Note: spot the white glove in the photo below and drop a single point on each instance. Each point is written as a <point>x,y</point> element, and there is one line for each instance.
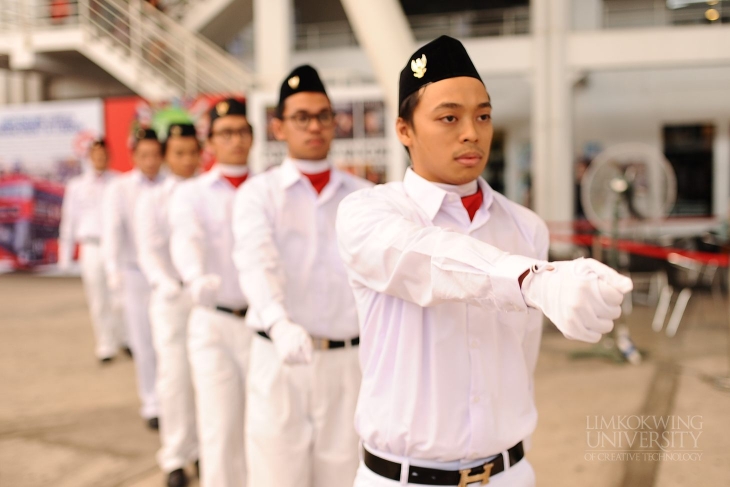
<point>168,288</point>
<point>114,282</point>
<point>114,288</point>
<point>581,297</point>
<point>292,342</point>
<point>204,290</point>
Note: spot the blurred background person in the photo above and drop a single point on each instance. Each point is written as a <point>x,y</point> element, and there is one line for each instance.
<point>202,245</point>
<point>122,264</point>
<point>170,306</point>
<point>81,222</point>
<point>304,374</point>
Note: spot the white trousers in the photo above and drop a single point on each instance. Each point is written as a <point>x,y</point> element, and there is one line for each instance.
<point>169,320</point>
<point>219,347</point>
<point>136,312</point>
<point>300,418</point>
<point>519,475</point>
<point>107,320</point>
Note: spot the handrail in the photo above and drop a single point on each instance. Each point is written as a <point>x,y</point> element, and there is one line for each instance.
<point>471,23</point>
<point>160,48</point>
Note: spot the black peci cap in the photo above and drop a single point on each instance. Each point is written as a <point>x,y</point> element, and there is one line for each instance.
<point>302,79</point>
<point>144,134</point>
<point>229,106</point>
<point>181,130</point>
<point>440,59</point>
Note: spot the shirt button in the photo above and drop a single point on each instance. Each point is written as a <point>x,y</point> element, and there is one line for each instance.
<point>474,343</point>
<point>475,399</point>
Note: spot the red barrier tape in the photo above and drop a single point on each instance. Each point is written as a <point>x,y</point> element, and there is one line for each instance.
<point>646,250</point>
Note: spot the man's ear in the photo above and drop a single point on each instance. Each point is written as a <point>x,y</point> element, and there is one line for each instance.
<point>277,128</point>
<point>404,132</point>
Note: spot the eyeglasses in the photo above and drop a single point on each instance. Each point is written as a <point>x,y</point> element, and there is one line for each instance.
<point>228,134</point>
<point>302,120</point>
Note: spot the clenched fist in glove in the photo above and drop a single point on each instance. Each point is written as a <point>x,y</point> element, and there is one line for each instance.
<point>581,297</point>
<point>204,290</point>
<point>292,342</point>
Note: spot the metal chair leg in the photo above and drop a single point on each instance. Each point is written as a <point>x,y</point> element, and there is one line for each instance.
<point>661,308</point>
<point>678,312</point>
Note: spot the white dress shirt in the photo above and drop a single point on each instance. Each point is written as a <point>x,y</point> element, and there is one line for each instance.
<point>81,211</point>
<point>119,242</point>
<point>442,319</point>
<point>286,251</point>
<point>201,240</point>
<point>153,232</point>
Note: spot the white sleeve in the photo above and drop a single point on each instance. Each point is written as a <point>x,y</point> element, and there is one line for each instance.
<point>152,244</point>
<point>67,229</point>
<point>187,237</point>
<point>427,265</point>
<point>255,254</point>
<point>112,228</point>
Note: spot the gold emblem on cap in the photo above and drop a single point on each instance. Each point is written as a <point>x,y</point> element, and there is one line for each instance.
<point>176,130</point>
<point>293,82</point>
<point>141,133</point>
<point>222,108</point>
<point>418,66</point>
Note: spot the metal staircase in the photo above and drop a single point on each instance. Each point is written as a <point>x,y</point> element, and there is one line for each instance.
<point>140,46</point>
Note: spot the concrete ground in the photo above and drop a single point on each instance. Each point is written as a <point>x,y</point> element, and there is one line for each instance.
<point>67,421</point>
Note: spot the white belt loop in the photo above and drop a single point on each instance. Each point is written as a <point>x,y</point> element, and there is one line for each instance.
<point>405,468</point>
<point>505,460</point>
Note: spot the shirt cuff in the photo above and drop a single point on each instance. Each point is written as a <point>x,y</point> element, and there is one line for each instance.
<point>505,281</point>
<point>271,314</point>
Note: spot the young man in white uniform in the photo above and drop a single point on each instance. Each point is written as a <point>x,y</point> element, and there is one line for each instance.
<point>122,267</point>
<point>170,307</point>
<point>81,222</point>
<point>202,245</point>
<point>303,373</point>
<point>450,278</point>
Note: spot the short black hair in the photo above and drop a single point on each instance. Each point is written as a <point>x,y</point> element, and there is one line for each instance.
<point>408,107</point>
<point>98,143</point>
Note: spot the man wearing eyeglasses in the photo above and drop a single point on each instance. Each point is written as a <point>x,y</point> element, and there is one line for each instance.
<point>201,245</point>
<point>304,374</point>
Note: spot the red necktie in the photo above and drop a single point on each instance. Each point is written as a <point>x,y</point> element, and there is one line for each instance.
<point>319,180</point>
<point>236,181</point>
<point>473,202</point>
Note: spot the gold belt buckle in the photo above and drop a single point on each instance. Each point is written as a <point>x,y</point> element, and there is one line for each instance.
<point>321,343</point>
<point>481,477</point>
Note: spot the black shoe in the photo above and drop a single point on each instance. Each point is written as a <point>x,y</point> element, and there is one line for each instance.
<point>197,468</point>
<point>153,424</point>
<point>106,360</point>
<point>128,351</point>
<point>177,478</point>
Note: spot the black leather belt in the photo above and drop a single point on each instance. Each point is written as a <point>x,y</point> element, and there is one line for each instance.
<point>323,343</point>
<point>430,476</point>
<point>240,313</point>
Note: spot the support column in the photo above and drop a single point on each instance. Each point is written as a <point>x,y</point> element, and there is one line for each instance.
<point>33,87</point>
<point>552,115</point>
<point>16,88</point>
<point>4,99</point>
<point>273,35</point>
<point>383,32</point>
<point>721,169</point>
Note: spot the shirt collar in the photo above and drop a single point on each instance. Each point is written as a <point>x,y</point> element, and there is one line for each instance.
<point>430,197</point>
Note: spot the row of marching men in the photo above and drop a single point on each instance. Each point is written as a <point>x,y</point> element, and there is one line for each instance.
<point>185,253</point>
<point>243,296</point>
